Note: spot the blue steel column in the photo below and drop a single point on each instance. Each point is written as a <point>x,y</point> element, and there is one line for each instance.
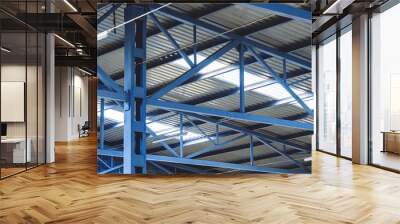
<point>216,134</point>
<point>251,151</point>
<point>134,154</point>
<point>194,44</point>
<point>101,139</point>
<point>181,135</point>
<point>241,71</point>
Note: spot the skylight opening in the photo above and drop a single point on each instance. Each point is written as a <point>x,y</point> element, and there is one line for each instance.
<point>274,90</point>
<point>215,65</point>
<point>158,127</point>
<point>114,115</point>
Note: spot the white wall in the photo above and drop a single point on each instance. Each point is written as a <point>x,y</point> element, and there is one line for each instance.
<point>14,73</point>
<point>33,126</point>
<point>71,102</point>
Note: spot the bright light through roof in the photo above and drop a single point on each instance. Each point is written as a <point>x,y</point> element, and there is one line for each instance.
<point>215,65</point>
<point>309,103</point>
<point>169,130</point>
<point>232,77</point>
<point>114,115</point>
<point>159,128</point>
<point>276,91</point>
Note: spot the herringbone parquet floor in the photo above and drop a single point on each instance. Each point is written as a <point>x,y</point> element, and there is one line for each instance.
<point>70,191</point>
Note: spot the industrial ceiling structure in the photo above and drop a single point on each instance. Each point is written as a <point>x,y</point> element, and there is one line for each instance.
<point>204,88</point>
<point>72,22</point>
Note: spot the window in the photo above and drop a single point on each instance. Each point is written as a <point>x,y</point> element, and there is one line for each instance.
<point>385,89</point>
<point>346,93</point>
<point>327,96</point>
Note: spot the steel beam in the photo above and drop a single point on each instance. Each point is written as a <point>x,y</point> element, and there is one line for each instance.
<point>111,169</point>
<point>171,39</point>
<point>187,168</point>
<point>287,11</point>
<point>283,154</point>
<point>232,36</point>
<point>110,95</point>
<point>217,95</point>
<point>223,165</point>
<point>248,131</point>
<point>232,149</point>
<point>268,23</point>
<point>201,12</point>
<point>165,170</point>
<point>230,115</point>
<point>108,81</point>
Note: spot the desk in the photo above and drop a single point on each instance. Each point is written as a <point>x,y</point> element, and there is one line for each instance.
<point>391,141</point>
<point>18,150</point>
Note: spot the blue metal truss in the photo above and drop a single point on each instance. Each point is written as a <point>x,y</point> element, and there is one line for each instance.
<point>134,157</point>
<point>194,70</point>
<point>230,115</point>
<point>232,36</point>
<point>285,10</point>
<point>281,81</point>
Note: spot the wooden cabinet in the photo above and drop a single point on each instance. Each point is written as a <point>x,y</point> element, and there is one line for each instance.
<point>391,142</point>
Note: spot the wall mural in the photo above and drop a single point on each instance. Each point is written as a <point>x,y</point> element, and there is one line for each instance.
<point>189,88</point>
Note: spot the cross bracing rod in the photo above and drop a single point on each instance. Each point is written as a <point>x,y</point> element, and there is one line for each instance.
<point>247,131</point>
<point>181,79</point>
<point>171,40</point>
<point>281,81</point>
<point>214,147</point>
<point>259,136</point>
<point>218,95</point>
<point>108,81</point>
<point>279,139</point>
<point>232,36</point>
<point>236,147</point>
<point>153,63</point>
<point>165,145</point>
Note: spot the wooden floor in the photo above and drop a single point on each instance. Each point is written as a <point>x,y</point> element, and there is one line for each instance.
<point>70,191</point>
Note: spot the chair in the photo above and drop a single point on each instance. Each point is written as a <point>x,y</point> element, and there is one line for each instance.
<point>84,130</point>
